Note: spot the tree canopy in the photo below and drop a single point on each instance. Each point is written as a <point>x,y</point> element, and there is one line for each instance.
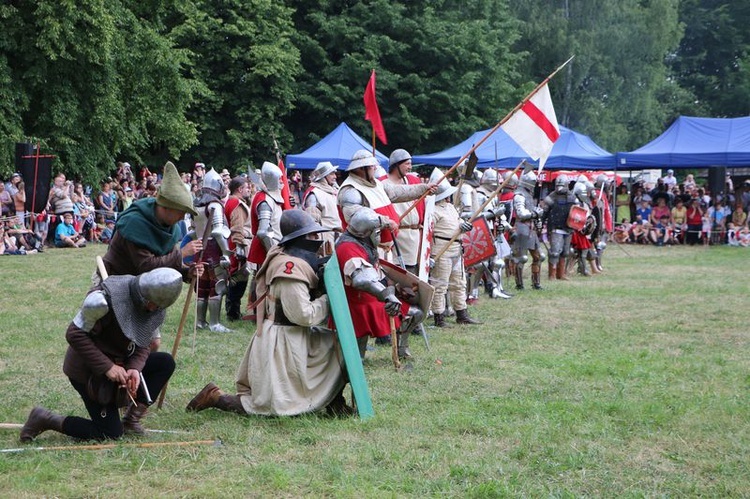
<point>215,81</point>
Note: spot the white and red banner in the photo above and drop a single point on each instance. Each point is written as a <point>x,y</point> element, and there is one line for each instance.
<point>534,126</point>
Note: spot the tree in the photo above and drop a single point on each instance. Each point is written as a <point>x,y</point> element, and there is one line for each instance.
<point>242,57</point>
<point>444,69</point>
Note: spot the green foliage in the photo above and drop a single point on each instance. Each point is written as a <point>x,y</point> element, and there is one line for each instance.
<point>444,69</point>
<point>242,55</point>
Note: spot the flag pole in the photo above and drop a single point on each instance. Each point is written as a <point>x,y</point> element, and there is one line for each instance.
<point>488,134</point>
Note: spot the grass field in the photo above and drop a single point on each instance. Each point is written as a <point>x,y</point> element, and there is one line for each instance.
<point>629,384</point>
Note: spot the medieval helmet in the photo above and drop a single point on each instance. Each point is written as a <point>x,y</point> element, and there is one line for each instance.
<point>601,181</point>
<point>362,159</point>
<point>297,223</point>
<point>161,286</point>
<point>511,180</point>
<point>561,184</point>
<point>444,190</point>
<point>489,178</point>
<point>397,157</point>
<point>322,170</point>
<point>271,176</point>
<point>528,180</point>
<point>580,189</point>
<point>213,184</point>
<point>366,223</point>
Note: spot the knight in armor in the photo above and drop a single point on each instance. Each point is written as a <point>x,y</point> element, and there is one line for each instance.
<point>557,207</point>
<point>580,241</point>
<point>362,189</point>
<point>491,271</point>
<point>108,360</point>
<point>265,215</point>
<point>603,214</point>
<point>210,225</point>
<point>319,201</point>
<point>410,227</point>
<point>371,299</point>
<point>237,213</point>
<point>147,234</point>
<point>448,272</point>
<point>507,193</point>
<point>528,224</point>
<point>291,366</point>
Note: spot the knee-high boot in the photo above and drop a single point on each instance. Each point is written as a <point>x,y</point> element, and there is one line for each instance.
<point>131,420</point>
<point>201,310</point>
<point>519,276</point>
<point>561,270</point>
<point>552,269</point>
<point>40,420</point>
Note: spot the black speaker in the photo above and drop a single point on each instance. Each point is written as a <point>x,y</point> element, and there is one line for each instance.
<point>717,180</point>
<point>37,176</point>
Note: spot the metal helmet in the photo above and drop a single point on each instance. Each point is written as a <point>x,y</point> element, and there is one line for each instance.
<point>397,157</point>
<point>297,223</point>
<point>444,190</point>
<point>580,189</point>
<point>366,223</point>
<point>161,286</point>
<point>511,180</point>
<point>562,184</point>
<point>362,159</point>
<point>489,178</point>
<point>322,170</point>
<point>271,176</point>
<point>601,181</point>
<point>213,183</point>
<point>528,180</point>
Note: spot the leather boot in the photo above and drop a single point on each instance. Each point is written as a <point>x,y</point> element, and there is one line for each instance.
<point>582,267</point>
<point>440,321</point>
<point>131,420</point>
<point>214,316</point>
<point>201,309</point>
<point>551,268</point>
<point>230,403</point>
<point>519,276</point>
<point>403,346</point>
<point>207,397</point>
<point>561,270</point>
<point>536,280</point>
<point>39,420</point>
<point>462,317</point>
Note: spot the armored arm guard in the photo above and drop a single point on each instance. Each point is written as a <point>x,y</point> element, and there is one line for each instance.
<point>350,200</point>
<point>366,279</point>
<point>219,231</point>
<point>265,232</point>
<point>523,214</point>
<point>94,307</point>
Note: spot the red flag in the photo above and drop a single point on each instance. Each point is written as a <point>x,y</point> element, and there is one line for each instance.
<point>372,113</point>
<point>284,184</point>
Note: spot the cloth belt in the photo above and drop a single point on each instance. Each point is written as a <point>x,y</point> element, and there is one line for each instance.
<point>412,227</point>
<point>446,238</point>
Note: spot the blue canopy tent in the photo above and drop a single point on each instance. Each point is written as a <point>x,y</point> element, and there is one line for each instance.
<point>572,151</point>
<point>694,143</point>
<point>338,147</point>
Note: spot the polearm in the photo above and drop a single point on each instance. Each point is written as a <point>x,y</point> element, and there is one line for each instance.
<point>185,310</point>
<point>143,445</point>
<point>479,210</point>
<point>488,134</point>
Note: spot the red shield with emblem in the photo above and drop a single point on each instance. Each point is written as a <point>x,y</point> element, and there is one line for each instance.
<point>478,243</point>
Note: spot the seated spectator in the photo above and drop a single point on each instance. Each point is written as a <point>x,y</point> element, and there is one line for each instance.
<point>25,238</point>
<point>644,210</point>
<point>639,231</point>
<point>733,235</point>
<point>659,233</point>
<point>744,236</point>
<point>108,231</point>
<point>739,215</point>
<point>10,244</point>
<point>66,235</point>
<point>718,214</point>
<point>622,232</point>
<point>660,211</point>
<point>679,220</point>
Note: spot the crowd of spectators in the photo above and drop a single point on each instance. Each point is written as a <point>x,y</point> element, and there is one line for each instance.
<point>671,213</point>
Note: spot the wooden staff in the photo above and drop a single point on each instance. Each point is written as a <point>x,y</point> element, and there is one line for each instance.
<point>101,268</point>
<point>476,214</point>
<point>185,310</point>
<point>143,445</point>
<point>18,426</point>
<point>394,344</point>
<point>488,134</point>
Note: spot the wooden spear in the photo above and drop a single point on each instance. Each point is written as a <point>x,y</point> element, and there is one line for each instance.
<point>476,214</point>
<point>143,445</point>
<point>488,134</point>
